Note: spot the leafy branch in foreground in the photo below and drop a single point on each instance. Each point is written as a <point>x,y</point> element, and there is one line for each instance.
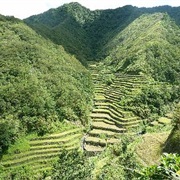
<point>168,169</point>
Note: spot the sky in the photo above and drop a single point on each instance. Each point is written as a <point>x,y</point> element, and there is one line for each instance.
<point>25,8</point>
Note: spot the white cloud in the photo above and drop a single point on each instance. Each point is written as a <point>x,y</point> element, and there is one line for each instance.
<point>25,8</point>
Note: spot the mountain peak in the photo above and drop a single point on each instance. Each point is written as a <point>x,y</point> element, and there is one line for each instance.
<point>74,5</point>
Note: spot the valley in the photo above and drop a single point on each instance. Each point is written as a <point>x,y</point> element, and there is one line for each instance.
<point>90,95</point>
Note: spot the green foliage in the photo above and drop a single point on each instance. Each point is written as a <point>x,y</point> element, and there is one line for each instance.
<point>116,162</point>
<point>177,116</point>
<point>148,45</point>
<point>20,145</point>
<point>93,32</point>
<point>172,144</point>
<point>40,83</point>
<point>168,169</point>
<point>9,131</point>
<point>64,26</point>
<point>132,42</point>
<point>152,99</point>
<point>120,161</point>
<point>71,165</point>
<point>21,173</point>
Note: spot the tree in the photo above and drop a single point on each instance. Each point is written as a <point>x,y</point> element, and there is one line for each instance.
<point>9,131</point>
<point>168,169</point>
<point>71,165</point>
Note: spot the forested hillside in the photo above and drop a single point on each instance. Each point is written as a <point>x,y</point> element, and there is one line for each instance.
<point>86,33</point>
<point>131,40</point>
<point>64,26</point>
<point>149,45</point>
<point>41,84</point>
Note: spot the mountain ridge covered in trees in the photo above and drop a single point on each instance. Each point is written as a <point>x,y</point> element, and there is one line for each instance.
<point>84,33</point>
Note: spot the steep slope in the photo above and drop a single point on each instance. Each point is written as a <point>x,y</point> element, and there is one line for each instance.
<point>149,45</point>
<point>64,26</point>
<point>38,159</point>
<point>80,31</point>
<point>172,144</point>
<point>137,82</point>
<point>109,120</point>
<point>85,33</point>
<point>40,83</point>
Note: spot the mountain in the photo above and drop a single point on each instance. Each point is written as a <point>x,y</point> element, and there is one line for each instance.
<point>85,33</point>
<point>127,40</point>
<point>64,26</point>
<point>149,45</point>
<point>41,84</point>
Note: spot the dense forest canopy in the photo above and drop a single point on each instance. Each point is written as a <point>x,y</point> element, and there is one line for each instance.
<point>92,30</point>
<point>40,83</point>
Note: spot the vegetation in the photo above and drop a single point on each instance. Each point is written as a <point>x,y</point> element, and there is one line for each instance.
<point>115,163</point>
<point>93,31</point>
<point>172,144</point>
<point>57,25</point>
<point>72,165</point>
<point>134,41</point>
<point>34,156</point>
<point>46,94</point>
<point>41,84</point>
<point>168,169</point>
<point>151,49</point>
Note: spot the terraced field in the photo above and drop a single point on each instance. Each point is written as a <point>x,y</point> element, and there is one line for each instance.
<point>109,119</point>
<point>44,151</point>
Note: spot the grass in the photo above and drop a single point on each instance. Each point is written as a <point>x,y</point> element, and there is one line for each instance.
<point>150,147</point>
<point>104,120</point>
<point>50,146</point>
<point>111,112</point>
<point>37,162</point>
<point>99,132</point>
<point>99,97</point>
<point>98,167</point>
<point>106,126</point>
<point>39,153</point>
<point>101,142</point>
<point>57,135</point>
<point>54,141</point>
<point>32,158</point>
<point>92,148</point>
<point>164,120</point>
<point>100,115</point>
<point>20,146</point>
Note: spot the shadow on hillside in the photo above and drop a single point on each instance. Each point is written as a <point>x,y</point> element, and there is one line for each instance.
<point>172,144</point>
